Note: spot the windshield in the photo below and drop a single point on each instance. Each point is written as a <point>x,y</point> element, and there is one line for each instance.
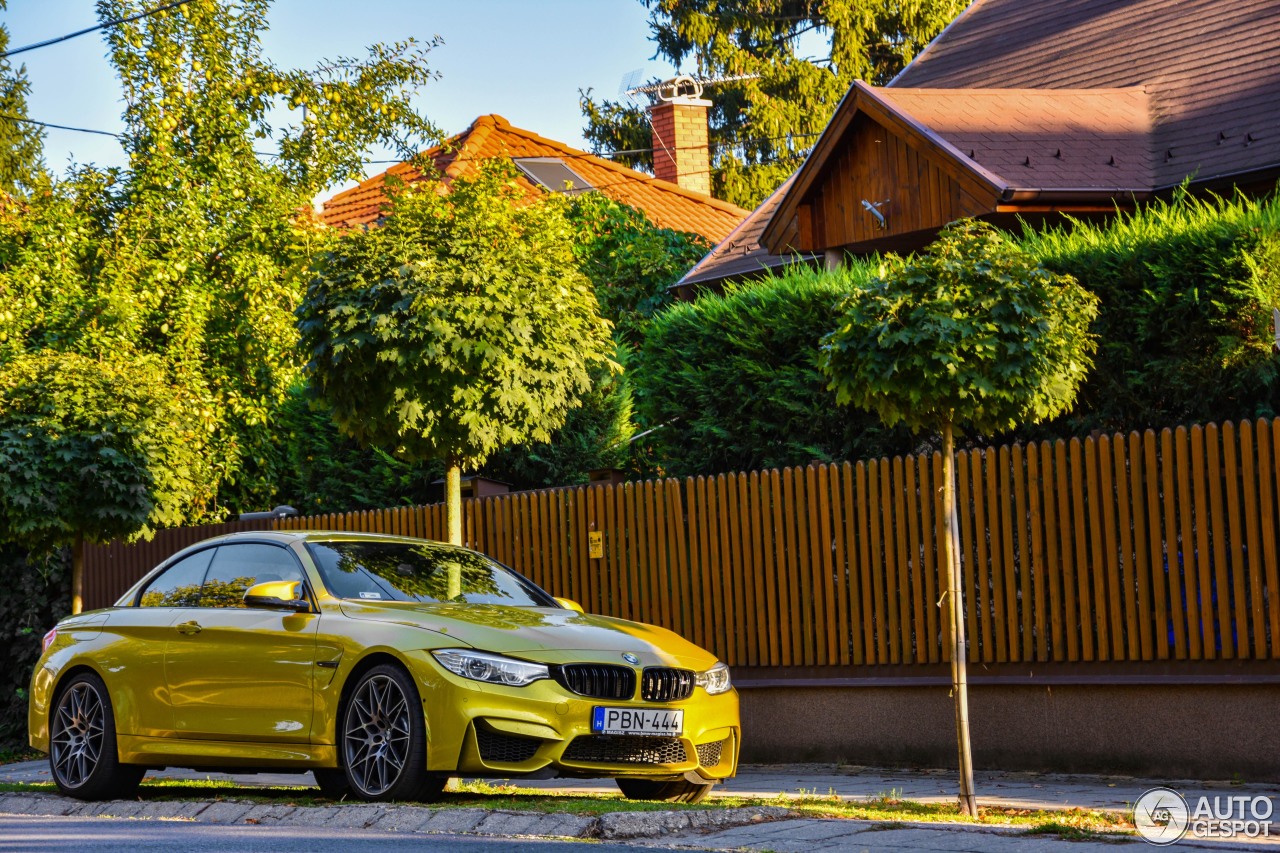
<point>400,571</point>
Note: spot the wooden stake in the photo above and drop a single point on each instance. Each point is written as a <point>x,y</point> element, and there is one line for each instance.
<point>453,521</point>
<point>959,652</point>
<point>77,575</point>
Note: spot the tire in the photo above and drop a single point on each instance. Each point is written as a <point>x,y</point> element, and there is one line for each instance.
<point>382,739</point>
<point>679,791</point>
<point>332,782</point>
<point>82,743</point>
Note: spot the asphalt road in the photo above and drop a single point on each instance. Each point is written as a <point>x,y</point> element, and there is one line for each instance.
<point>87,835</point>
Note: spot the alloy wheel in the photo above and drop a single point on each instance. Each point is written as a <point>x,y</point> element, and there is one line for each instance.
<point>377,735</point>
<point>77,737</point>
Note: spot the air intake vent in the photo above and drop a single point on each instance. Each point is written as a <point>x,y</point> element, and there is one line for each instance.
<point>603,749</point>
<point>599,681</point>
<point>660,684</point>
<point>709,753</point>
<point>504,748</point>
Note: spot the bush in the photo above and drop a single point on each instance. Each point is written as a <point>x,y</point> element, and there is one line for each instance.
<point>328,472</point>
<point>34,594</point>
<point>1185,329</point>
<point>732,381</point>
<point>630,261</point>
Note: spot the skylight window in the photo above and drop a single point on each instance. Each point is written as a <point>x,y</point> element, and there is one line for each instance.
<point>553,174</point>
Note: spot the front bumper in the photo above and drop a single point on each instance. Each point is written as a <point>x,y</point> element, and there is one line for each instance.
<point>481,729</point>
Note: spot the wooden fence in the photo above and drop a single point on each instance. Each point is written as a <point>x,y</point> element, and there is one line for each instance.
<point>1144,547</point>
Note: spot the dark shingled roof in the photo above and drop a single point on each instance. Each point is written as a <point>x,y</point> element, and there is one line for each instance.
<point>1210,67</point>
<point>1063,139</point>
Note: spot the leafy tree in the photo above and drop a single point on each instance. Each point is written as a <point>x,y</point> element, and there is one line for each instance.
<point>196,254</point>
<point>630,261</point>
<point>21,166</point>
<point>761,128</point>
<point>459,327</point>
<point>973,333</point>
<point>761,341</point>
<point>95,451</point>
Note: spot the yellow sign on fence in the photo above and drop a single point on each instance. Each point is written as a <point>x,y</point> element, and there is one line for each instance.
<point>595,544</point>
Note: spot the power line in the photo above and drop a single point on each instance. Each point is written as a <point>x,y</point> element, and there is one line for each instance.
<point>566,155</point>
<point>93,29</point>
<point>8,117</point>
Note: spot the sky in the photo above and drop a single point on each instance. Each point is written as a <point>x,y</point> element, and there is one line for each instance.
<point>523,59</point>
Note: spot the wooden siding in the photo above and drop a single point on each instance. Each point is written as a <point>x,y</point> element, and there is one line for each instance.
<point>920,191</point>
<point>1143,547</point>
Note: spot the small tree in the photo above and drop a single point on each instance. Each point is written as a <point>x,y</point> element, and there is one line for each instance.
<point>94,451</point>
<point>460,326</point>
<point>974,333</point>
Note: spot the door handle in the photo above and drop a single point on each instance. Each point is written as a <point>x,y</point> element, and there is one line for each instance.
<point>191,627</point>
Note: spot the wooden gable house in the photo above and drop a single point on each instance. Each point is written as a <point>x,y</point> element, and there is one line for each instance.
<point>1031,109</point>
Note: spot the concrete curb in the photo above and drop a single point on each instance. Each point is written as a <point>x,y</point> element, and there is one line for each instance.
<point>399,818</point>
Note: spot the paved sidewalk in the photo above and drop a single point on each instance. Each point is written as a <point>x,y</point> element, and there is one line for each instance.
<point>847,836</point>
<point>995,788</point>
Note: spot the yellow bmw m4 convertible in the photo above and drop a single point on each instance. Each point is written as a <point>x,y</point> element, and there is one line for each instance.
<point>343,654</point>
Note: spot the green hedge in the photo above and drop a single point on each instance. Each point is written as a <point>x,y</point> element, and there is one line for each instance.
<point>1185,335</point>
<point>1185,328</point>
<point>731,382</point>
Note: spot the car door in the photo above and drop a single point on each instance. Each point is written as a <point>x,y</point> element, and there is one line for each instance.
<point>242,673</point>
<point>134,664</point>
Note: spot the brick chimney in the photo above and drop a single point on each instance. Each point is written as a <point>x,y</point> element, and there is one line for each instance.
<point>679,120</point>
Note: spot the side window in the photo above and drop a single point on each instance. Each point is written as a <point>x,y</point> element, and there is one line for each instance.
<point>235,568</point>
<point>178,585</point>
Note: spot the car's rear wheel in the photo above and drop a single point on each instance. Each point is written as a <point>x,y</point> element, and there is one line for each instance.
<point>383,739</point>
<point>82,743</point>
<point>679,791</point>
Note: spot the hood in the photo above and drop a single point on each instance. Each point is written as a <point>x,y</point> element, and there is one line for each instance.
<point>544,634</point>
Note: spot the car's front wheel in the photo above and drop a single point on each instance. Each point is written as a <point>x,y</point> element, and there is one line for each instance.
<point>82,743</point>
<point>383,739</point>
<point>679,791</point>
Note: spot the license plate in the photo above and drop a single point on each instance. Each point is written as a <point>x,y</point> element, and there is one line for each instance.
<point>637,721</point>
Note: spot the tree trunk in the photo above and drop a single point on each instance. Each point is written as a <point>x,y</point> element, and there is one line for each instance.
<point>453,520</point>
<point>959,650</point>
<point>77,575</point>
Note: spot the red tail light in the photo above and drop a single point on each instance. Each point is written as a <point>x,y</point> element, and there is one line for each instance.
<point>48,640</point>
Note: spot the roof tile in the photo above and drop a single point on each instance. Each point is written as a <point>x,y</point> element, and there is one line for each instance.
<point>490,136</point>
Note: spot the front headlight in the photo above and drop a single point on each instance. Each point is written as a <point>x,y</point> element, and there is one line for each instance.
<point>490,668</point>
<point>714,680</point>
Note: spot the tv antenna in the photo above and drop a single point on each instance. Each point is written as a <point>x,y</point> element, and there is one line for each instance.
<point>680,86</point>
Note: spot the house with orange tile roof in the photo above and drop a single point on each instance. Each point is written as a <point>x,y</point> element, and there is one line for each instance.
<point>545,166</point>
<point>1028,112</point>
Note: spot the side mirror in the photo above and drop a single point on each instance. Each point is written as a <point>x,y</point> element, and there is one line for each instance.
<point>570,604</point>
<point>277,595</point>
